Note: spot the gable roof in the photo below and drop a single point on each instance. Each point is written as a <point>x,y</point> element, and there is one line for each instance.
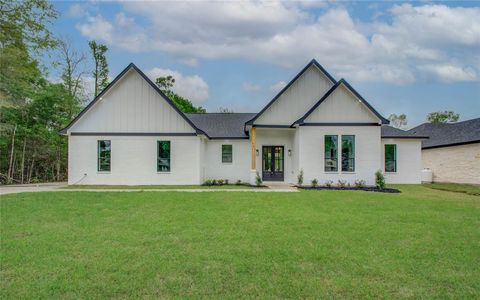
<point>221,125</point>
<point>330,91</point>
<point>449,134</point>
<point>313,62</point>
<point>395,133</point>
<point>111,84</point>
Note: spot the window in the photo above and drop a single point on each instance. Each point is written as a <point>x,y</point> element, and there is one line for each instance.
<point>331,151</point>
<point>227,153</point>
<point>390,158</point>
<point>348,153</point>
<point>163,156</point>
<point>103,156</point>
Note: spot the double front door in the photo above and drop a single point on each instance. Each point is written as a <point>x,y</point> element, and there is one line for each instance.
<point>272,163</point>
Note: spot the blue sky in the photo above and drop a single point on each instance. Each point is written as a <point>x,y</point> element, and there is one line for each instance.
<point>410,58</point>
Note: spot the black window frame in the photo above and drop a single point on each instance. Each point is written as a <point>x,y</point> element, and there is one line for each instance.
<point>159,158</point>
<point>329,158</point>
<point>99,156</point>
<point>225,159</point>
<point>394,158</point>
<point>352,159</point>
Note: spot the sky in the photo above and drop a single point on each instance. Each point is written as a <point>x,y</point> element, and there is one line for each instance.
<point>411,58</point>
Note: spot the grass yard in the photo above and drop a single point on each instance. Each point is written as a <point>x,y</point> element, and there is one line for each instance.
<point>421,243</point>
<point>470,189</point>
<point>161,187</point>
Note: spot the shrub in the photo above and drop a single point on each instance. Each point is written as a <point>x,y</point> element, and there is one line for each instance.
<point>360,183</point>
<point>342,184</point>
<point>208,182</point>
<point>226,181</point>
<point>258,180</point>
<point>220,182</point>
<point>314,182</point>
<point>328,183</point>
<point>300,178</point>
<point>214,182</point>
<point>379,180</point>
<point>239,182</point>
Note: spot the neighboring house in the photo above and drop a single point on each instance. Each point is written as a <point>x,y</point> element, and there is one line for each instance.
<point>131,133</point>
<point>452,151</point>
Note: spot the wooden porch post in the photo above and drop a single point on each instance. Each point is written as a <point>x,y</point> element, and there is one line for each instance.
<point>254,147</point>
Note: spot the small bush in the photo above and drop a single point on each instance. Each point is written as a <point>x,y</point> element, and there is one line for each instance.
<point>379,180</point>
<point>226,181</point>
<point>208,182</point>
<point>360,184</point>
<point>328,183</point>
<point>300,178</point>
<point>314,182</point>
<point>220,182</point>
<point>239,182</point>
<point>258,180</point>
<point>214,182</point>
<point>342,184</point>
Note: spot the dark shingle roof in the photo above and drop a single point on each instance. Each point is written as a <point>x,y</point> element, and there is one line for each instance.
<point>392,132</point>
<point>449,134</point>
<point>221,125</point>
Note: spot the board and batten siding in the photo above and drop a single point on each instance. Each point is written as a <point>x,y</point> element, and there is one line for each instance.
<point>409,161</point>
<point>297,99</point>
<point>131,105</point>
<point>342,106</point>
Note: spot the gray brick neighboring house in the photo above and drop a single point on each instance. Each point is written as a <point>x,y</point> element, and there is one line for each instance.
<point>452,150</point>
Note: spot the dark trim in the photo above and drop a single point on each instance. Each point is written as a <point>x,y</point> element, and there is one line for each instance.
<point>340,124</point>
<point>311,63</point>
<point>229,138</point>
<point>134,133</point>
<point>272,149</point>
<point>330,91</point>
<point>403,137</point>
<point>271,126</point>
<point>119,76</point>
<point>452,145</point>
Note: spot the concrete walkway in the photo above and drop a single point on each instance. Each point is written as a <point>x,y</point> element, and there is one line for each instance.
<point>59,187</point>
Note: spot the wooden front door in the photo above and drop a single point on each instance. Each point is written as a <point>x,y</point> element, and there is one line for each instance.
<point>272,163</point>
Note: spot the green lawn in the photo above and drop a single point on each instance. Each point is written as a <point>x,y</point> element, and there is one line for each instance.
<point>455,187</point>
<point>421,243</point>
<point>160,187</point>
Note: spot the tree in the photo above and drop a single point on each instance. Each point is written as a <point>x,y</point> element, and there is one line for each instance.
<point>442,117</point>
<point>100,73</point>
<point>225,110</point>
<point>398,121</point>
<point>73,71</point>
<point>165,84</point>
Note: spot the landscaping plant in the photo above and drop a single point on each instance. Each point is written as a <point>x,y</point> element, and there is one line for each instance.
<point>379,180</point>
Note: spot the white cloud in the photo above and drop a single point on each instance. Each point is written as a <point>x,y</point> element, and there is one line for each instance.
<point>287,34</point>
<point>192,87</point>
<point>251,87</point>
<point>277,87</point>
<point>77,10</point>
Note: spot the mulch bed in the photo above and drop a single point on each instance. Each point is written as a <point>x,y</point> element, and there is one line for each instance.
<point>367,189</point>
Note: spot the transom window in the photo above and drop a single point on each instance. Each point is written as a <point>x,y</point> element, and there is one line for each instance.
<point>390,158</point>
<point>103,155</point>
<point>331,152</point>
<point>348,153</point>
<point>227,153</point>
<point>163,156</point>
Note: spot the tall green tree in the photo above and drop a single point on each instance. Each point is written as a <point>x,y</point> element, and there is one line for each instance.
<point>166,83</point>
<point>100,72</point>
<point>442,117</point>
<point>398,121</point>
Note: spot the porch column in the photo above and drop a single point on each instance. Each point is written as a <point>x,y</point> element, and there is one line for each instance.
<point>253,138</point>
<point>253,166</point>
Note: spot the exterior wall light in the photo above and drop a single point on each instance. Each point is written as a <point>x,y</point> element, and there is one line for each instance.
<point>289,152</point>
<point>257,152</point>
